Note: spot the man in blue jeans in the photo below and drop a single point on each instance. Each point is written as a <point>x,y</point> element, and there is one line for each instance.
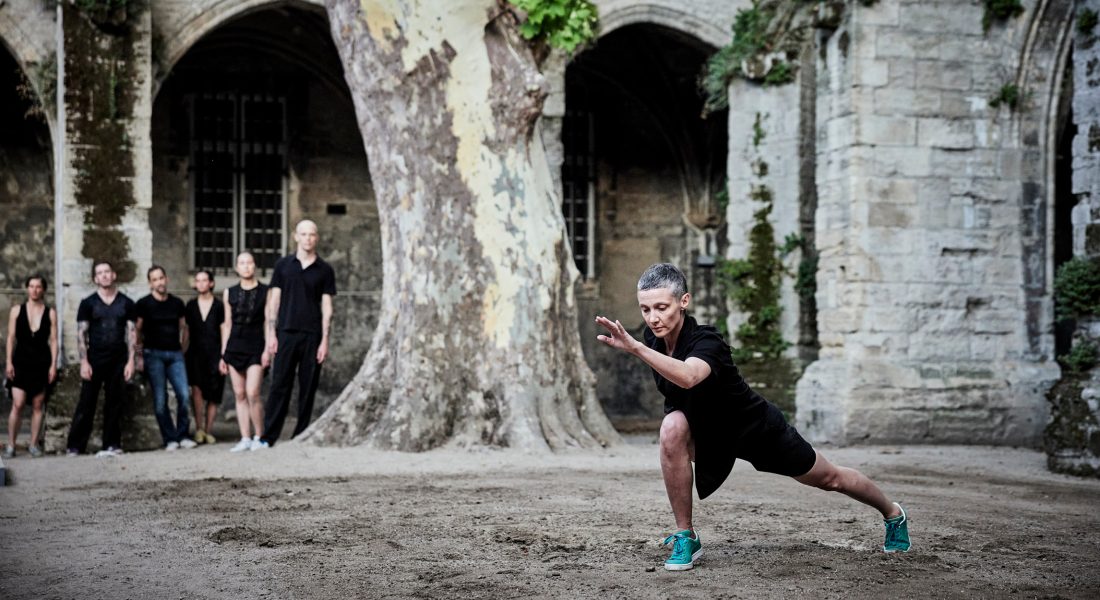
<point>162,337</point>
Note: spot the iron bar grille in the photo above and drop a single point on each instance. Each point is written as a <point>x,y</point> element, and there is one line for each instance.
<point>578,180</point>
<point>238,170</point>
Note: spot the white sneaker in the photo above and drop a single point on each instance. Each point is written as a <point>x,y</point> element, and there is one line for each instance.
<point>109,452</point>
<point>259,445</point>
<point>172,446</point>
<point>187,443</point>
<point>244,444</point>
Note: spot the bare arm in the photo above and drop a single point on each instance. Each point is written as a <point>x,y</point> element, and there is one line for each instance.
<point>53,345</point>
<point>227,322</point>
<point>131,344</point>
<point>82,349</point>
<point>12,316</point>
<point>139,335</point>
<point>82,340</point>
<point>326,320</point>
<point>684,373</point>
<point>274,295</point>
<point>185,334</point>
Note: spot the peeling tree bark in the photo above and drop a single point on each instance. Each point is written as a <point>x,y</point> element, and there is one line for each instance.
<point>477,341</point>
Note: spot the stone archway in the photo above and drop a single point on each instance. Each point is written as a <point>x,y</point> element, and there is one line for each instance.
<point>1042,67</point>
<point>254,129</point>
<point>640,176</point>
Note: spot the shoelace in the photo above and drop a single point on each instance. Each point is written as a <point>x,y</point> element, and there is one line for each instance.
<point>893,529</point>
<point>680,544</point>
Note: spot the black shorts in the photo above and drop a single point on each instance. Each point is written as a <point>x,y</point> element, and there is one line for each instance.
<point>242,360</point>
<point>776,447</point>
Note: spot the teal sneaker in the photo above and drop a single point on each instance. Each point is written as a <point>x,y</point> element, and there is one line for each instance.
<point>685,550</point>
<point>897,533</point>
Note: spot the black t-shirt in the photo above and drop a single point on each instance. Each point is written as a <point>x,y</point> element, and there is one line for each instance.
<point>247,306</point>
<point>721,410</point>
<point>160,322</point>
<point>106,326</point>
<point>300,298</point>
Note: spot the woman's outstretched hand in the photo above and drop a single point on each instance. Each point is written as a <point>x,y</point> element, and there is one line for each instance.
<point>618,338</point>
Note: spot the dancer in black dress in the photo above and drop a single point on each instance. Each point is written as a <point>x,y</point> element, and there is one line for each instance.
<point>204,317</point>
<point>244,354</point>
<point>32,360</point>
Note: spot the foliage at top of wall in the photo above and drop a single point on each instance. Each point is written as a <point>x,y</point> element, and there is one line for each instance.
<point>766,36</point>
<point>1000,10</point>
<point>563,24</point>
<point>112,16</point>
<point>1077,289</point>
<point>1086,21</point>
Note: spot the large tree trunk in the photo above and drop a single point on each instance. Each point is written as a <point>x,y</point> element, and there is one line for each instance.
<point>477,340</point>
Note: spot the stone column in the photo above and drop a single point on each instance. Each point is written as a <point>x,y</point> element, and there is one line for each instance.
<point>104,190</point>
<point>924,326</point>
<point>106,166</point>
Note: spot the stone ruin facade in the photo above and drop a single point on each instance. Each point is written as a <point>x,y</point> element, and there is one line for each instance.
<point>937,217</point>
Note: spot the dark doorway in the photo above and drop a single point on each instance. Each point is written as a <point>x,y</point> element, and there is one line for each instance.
<point>1064,199</point>
<point>639,159</point>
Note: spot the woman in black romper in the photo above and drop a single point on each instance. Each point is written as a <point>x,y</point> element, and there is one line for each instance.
<point>32,360</point>
<point>244,353</point>
<point>204,355</point>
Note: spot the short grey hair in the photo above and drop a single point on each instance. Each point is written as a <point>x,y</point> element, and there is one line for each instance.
<point>664,275</point>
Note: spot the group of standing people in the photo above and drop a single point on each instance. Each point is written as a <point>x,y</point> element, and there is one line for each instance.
<point>192,347</point>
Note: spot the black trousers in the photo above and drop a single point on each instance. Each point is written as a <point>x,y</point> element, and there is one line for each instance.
<point>297,352</point>
<point>108,374</point>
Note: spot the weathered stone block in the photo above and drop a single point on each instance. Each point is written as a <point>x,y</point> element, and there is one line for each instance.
<point>941,75</point>
<point>886,131</point>
<point>956,134</point>
<point>904,101</point>
<point>886,214</point>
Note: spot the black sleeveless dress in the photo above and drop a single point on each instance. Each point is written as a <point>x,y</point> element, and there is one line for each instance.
<point>31,357</point>
<point>204,349</point>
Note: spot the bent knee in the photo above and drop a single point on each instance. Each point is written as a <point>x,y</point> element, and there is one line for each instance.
<point>675,432</point>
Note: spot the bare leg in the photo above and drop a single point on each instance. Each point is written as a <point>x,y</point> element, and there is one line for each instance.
<point>850,482</point>
<point>19,398</point>
<point>241,397</point>
<point>37,415</point>
<point>211,414</point>
<point>677,452</point>
<point>255,379</point>
<point>197,401</point>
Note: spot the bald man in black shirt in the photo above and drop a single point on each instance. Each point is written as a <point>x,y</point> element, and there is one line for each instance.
<point>299,311</point>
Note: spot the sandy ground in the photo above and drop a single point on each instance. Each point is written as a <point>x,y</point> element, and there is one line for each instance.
<point>302,522</point>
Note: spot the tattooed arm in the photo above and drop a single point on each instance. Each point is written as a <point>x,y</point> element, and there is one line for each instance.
<point>82,349</point>
<point>131,347</point>
<point>274,295</point>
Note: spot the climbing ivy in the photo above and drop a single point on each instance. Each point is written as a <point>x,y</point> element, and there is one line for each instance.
<point>999,10</point>
<point>1086,21</point>
<point>1081,357</point>
<point>1009,95</point>
<point>768,28</point>
<point>753,286</point>
<point>1077,289</point>
<point>564,24</point>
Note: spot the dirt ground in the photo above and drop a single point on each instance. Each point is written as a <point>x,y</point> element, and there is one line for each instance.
<point>302,522</point>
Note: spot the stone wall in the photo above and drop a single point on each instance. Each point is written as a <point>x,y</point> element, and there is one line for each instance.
<point>922,229</point>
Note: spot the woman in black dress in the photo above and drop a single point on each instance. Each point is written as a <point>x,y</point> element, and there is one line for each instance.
<point>204,316</point>
<point>244,353</point>
<point>32,360</point>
